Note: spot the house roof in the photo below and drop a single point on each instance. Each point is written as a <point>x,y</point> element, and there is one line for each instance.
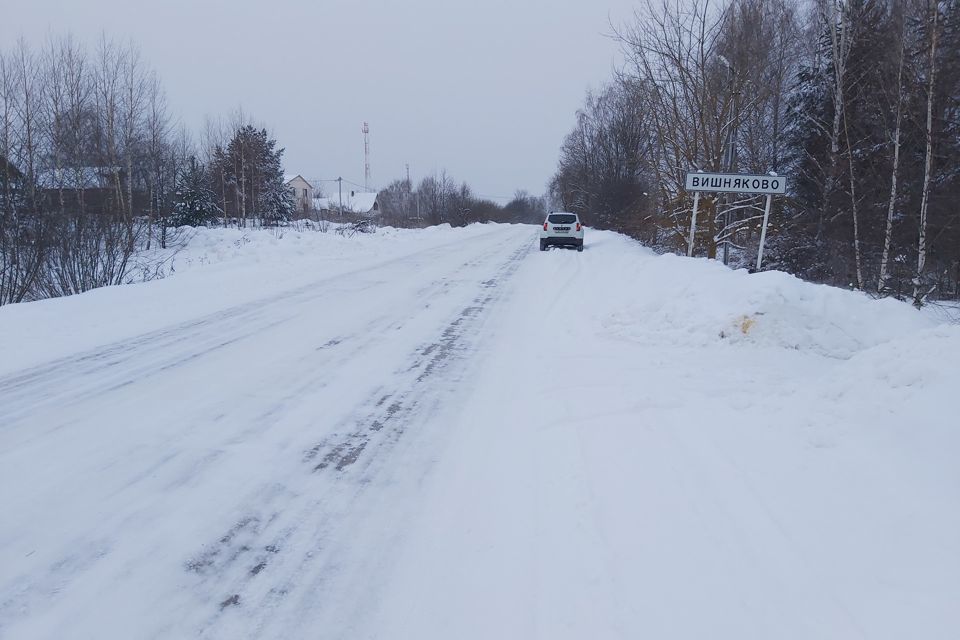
<point>78,178</point>
<point>8,167</point>
<point>358,202</point>
<point>290,177</point>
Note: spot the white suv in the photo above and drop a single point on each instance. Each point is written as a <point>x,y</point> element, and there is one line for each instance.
<point>561,228</point>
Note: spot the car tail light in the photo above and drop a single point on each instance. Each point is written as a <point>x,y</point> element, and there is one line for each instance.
<point>578,226</point>
<point>544,226</point>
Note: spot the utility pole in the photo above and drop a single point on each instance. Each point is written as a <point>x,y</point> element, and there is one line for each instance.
<point>408,194</point>
<point>340,191</point>
<point>366,157</point>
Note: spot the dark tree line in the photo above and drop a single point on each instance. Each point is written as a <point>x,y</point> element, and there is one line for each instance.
<point>855,100</point>
<point>92,169</point>
<point>439,199</point>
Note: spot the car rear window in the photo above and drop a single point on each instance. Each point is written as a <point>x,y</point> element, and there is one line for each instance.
<point>562,218</point>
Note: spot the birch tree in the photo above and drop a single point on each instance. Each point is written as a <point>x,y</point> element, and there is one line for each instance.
<point>897,134</point>
<point>933,19</point>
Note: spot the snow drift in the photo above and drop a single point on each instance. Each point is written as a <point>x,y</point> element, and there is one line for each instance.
<point>698,302</point>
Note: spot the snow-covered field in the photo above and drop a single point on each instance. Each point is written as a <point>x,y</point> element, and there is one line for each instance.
<point>449,434</point>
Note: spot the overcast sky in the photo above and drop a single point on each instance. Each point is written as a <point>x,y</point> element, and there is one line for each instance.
<point>486,89</point>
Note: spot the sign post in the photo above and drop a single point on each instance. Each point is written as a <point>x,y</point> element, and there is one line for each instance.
<point>763,232</point>
<point>768,185</point>
<point>693,223</point>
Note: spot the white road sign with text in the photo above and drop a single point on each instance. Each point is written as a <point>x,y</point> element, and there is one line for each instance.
<point>736,183</point>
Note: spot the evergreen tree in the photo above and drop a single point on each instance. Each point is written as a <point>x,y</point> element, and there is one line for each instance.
<point>196,203</point>
<point>249,176</point>
<point>840,150</point>
<point>276,201</point>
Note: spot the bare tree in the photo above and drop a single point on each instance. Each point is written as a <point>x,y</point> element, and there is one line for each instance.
<point>135,87</point>
<point>711,79</point>
<point>933,18</point>
<point>21,228</point>
<point>161,175</point>
<point>897,135</point>
<point>839,27</point>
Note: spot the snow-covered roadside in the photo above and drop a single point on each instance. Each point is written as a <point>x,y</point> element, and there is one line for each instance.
<point>675,450</point>
<point>213,270</point>
<point>479,440</point>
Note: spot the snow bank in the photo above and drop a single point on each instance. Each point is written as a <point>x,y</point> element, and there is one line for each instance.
<point>904,389</point>
<point>744,456</point>
<point>203,247</point>
<point>698,302</point>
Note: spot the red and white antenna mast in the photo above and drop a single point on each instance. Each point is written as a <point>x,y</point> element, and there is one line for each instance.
<point>366,156</point>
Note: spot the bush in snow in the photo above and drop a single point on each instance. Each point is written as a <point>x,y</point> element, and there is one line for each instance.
<point>196,203</point>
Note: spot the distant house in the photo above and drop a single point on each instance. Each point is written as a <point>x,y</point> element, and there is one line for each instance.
<point>81,178</point>
<point>12,184</point>
<point>8,168</point>
<point>90,189</point>
<point>302,191</point>
<point>355,203</point>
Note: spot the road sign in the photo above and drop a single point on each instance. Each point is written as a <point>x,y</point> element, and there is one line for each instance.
<point>768,185</point>
<point>736,183</point>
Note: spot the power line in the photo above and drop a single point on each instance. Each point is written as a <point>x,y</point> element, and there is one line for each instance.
<point>359,186</point>
<point>355,184</point>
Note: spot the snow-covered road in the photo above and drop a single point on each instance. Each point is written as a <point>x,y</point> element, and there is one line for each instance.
<point>474,439</point>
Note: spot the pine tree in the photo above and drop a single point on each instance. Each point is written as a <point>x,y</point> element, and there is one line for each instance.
<point>276,202</point>
<point>249,177</point>
<point>196,203</point>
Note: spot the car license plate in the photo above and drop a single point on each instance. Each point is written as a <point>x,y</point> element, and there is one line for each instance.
<point>561,228</point>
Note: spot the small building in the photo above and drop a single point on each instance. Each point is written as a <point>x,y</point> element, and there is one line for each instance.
<point>363,204</point>
<point>90,189</point>
<point>302,191</point>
